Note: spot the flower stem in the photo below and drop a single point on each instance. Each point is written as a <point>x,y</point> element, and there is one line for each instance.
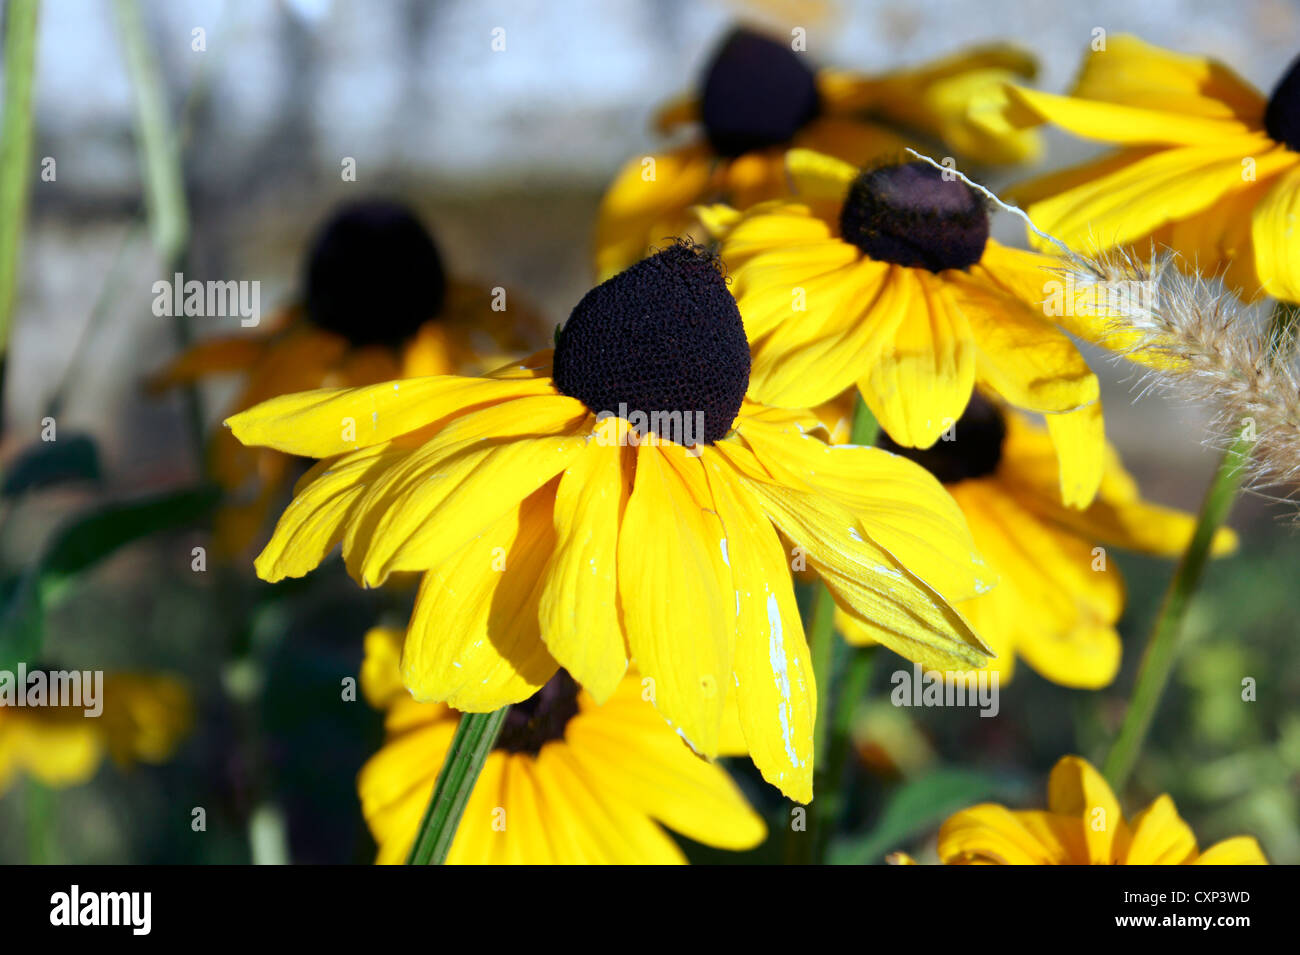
<point>1162,645</point>
<point>475,734</point>
<point>15,148</point>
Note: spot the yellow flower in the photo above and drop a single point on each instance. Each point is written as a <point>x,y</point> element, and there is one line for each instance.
<point>1083,825</point>
<point>377,305</point>
<point>568,782</point>
<point>1206,164</point>
<point>757,98</point>
<point>886,278</point>
<point>625,505</point>
<point>144,717</point>
<point>1059,595</point>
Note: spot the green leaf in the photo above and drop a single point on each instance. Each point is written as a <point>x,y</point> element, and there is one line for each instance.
<point>44,464</point>
<point>918,806</point>
<point>78,546</point>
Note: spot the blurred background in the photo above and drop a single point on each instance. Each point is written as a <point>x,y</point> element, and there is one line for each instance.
<point>506,154</point>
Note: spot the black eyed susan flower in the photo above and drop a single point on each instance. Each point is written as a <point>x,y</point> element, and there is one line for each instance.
<point>1206,164</point>
<point>757,97</point>
<point>1059,594</point>
<point>1083,825</point>
<point>886,278</point>
<point>568,781</point>
<point>623,500</point>
<point>376,305</point>
<point>144,716</point>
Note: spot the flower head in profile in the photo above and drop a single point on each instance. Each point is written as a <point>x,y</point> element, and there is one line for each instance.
<point>376,304</point>
<point>1083,825</point>
<point>1206,164</point>
<point>1059,594</point>
<point>886,279</point>
<point>142,718</point>
<point>568,781</point>
<point>623,500</point>
<point>758,96</point>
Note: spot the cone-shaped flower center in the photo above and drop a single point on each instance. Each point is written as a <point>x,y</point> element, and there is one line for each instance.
<point>374,274</point>
<point>661,345</point>
<point>542,717</point>
<point>974,450</point>
<point>757,92</point>
<point>1282,117</point>
<point>909,214</point>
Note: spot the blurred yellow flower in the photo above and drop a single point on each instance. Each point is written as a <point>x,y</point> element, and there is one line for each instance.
<point>1206,165</point>
<point>757,98</point>
<point>627,503</point>
<point>886,279</point>
<point>568,781</point>
<point>144,717</point>
<point>1083,825</point>
<point>377,306</point>
<point>1059,595</point>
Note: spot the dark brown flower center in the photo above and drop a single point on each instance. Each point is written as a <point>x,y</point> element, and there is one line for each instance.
<point>910,214</point>
<point>974,450</point>
<point>660,344</point>
<point>757,92</point>
<point>1282,116</point>
<point>374,274</point>
<point>541,718</point>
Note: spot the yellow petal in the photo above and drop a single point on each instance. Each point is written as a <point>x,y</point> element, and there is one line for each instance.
<point>1239,850</point>
<point>776,692</point>
<point>419,511</point>
<point>819,176</point>
<point>1080,440</point>
<point>991,834</point>
<point>381,674</point>
<point>314,522</point>
<point>1131,71</point>
<point>1275,232</point>
<point>647,204</point>
<point>1119,122</point>
<point>922,381</point>
<point>639,760</point>
<point>474,640</point>
<point>579,604</point>
<point>898,610</point>
<point>331,421</point>
<point>1077,790</point>
<point>1019,353</point>
<point>900,505</point>
<point>674,586</point>
<point>1160,837</point>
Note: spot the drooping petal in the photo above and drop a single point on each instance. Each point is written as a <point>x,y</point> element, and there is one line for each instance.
<point>900,505</point>
<point>922,381</point>
<point>776,692</point>
<point>994,835</point>
<point>474,641</point>
<point>579,606</point>
<point>417,513</point>
<point>1239,850</point>
<point>675,590</point>
<point>332,421</point>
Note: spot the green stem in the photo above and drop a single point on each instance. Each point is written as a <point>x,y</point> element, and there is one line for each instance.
<point>475,734</point>
<point>40,800</point>
<point>1162,645</point>
<point>15,149</point>
<point>830,782</point>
